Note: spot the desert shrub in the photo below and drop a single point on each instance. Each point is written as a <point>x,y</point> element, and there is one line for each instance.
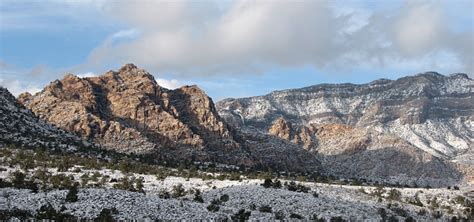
<point>292,186</point>
<point>139,185</point>
<point>265,209</point>
<point>224,198</point>
<point>241,215</point>
<point>164,194</point>
<point>178,191</point>
<point>252,207</point>
<point>95,177</point>
<point>394,194</point>
<point>198,196</point>
<point>276,184</point>
<point>85,179</point>
<point>422,212</point>
<point>336,219</point>
<point>47,212</point>
<point>43,176</point>
<point>296,216</point>
<point>437,214</point>
<point>64,164</point>
<point>383,213</point>
<point>107,215</point>
<point>18,179</point>
<point>279,215</point>
<point>393,218</point>
<point>378,192</point>
<point>213,207</point>
<point>400,211</point>
<point>434,203</point>
<point>415,201</point>
<point>125,183</point>
<point>72,193</point>
<point>459,200</point>
<point>6,215</point>
<point>267,183</point>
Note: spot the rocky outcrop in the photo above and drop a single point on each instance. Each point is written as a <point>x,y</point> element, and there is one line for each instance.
<point>20,127</point>
<point>304,136</point>
<point>420,121</point>
<point>128,112</point>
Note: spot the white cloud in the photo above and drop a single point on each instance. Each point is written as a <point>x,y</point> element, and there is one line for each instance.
<point>86,74</point>
<point>245,36</point>
<point>16,87</point>
<point>169,84</point>
<point>127,33</point>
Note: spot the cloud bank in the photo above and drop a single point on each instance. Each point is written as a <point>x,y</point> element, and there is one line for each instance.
<point>244,36</point>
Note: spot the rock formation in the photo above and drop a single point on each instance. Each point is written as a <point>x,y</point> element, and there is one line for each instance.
<point>392,128</point>
<point>128,112</point>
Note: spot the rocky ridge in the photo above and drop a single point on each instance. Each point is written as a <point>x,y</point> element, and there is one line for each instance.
<point>412,128</point>
<point>128,112</point>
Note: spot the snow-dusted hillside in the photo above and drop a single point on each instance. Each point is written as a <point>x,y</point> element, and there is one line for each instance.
<point>420,123</point>
<point>347,202</point>
<point>105,187</point>
<point>18,125</point>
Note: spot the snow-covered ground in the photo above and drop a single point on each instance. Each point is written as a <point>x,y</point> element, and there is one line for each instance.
<point>357,203</point>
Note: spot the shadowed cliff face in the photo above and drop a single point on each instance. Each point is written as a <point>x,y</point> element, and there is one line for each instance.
<point>19,126</point>
<point>128,112</point>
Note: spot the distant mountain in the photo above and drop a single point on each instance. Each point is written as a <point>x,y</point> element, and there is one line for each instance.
<point>128,112</point>
<point>20,127</point>
<point>410,129</point>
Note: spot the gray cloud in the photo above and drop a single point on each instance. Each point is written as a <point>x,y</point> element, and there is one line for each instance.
<point>246,36</point>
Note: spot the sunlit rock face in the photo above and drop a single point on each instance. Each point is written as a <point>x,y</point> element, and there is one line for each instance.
<point>128,112</point>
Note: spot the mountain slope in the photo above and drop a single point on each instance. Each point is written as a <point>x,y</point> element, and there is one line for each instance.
<point>431,111</point>
<point>128,112</point>
<point>19,126</point>
<point>417,122</point>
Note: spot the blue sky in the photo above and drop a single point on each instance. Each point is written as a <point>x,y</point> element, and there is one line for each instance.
<point>234,48</point>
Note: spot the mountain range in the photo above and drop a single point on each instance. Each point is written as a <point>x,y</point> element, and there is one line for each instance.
<point>416,130</point>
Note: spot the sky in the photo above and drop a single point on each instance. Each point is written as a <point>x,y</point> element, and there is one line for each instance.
<point>234,48</point>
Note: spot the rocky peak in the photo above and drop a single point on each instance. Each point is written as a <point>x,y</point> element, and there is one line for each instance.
<point>129,112</point>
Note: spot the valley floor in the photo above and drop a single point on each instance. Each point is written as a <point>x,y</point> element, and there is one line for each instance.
<point>224,199</point>
<point>48,189</point>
